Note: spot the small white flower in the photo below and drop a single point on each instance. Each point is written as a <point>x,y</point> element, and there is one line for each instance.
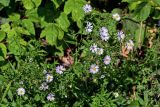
<point>21,82</point>
<point>120,35</point>
<point>116,94</point>
<point>21,91</point>
<point>87,8</point>
<point>89,27</point>
<point>50,97</point>
<point>44,71</point>
<point>107,60</point>
<point>99,51</point>
<point>60,69</point>
<point>116,16</point>
<point>130,45</point>
<point>93,48</point>
<point>43,86</point>
<point>102,76</point>
<point>94,68</point>
<point>49,78</point>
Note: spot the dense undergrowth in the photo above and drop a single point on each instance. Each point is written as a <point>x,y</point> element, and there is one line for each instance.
<point>78,53</point>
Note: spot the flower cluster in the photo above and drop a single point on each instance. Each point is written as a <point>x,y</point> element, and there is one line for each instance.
<point>44,86</point>
<point>104,33</point>
<point>95,49</point>
<point>120,35</point>
<point>129,45</point>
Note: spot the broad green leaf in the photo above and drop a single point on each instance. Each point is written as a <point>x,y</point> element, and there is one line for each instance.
<point>75,7</point>
<point>134,104</point>
<point>60,34</point>
<point>2,35</point>
<point>27,23</point>
<point>156,1</point>
<point>15,43</point>
<point>21,30</point>
<point>51,33</point>
<point>63,22</point>
<point>143,11</point>
<point>5,27</point>
<point>5,2</point>
<point>37,2</point>
<point>130,26</point>
<point>77,14</point>
<point>14,17</point>
<point>132,6</point>
<point>68,6</point>
<point>28,4</point>
<point>139,36</point>
<point>3,50</point>
<point>156,14</point>
<point>33,15</point>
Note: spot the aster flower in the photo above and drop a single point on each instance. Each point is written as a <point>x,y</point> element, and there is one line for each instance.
<point>87,8</point>
<point>43,86</point>
<point>60,69</point>
<point>21,91</point>
<point>49,78</point>
<point>89,27</point>
<point>99,51</point>
<point>107,60</point>
<point>130,45</point>
<point>94,68</point>
<point>105,37</point>
<point>103,30</point>
<point>120,35</point>
<point>50,97</point>
<point>93,48</point>
<point>104,33</point>
<point>116,16</point>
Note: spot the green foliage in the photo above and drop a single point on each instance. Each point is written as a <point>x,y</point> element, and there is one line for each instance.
<point>37,36</point>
